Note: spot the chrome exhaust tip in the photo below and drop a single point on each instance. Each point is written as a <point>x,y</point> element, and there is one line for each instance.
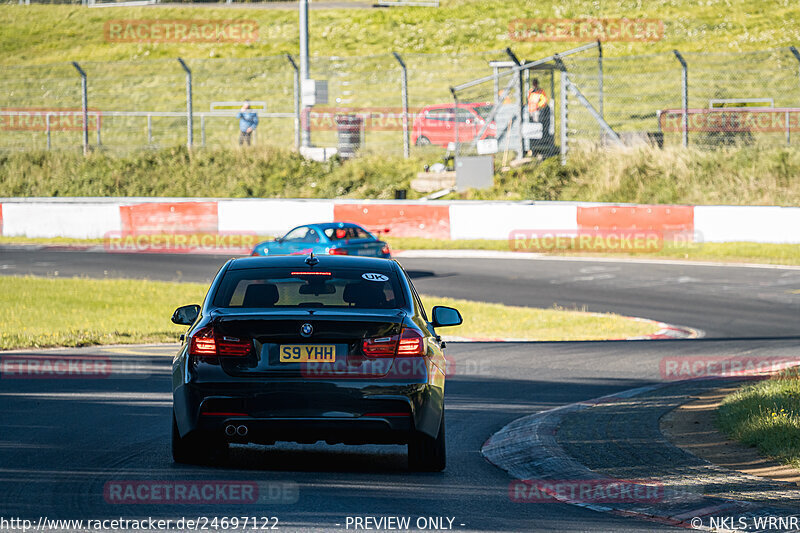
<point>241,431</point>
<point>230,430</point>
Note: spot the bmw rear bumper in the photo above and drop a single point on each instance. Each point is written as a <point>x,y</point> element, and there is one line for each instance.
<point>350,412</point>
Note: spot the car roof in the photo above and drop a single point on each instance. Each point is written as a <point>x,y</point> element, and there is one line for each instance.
<point>325,261</point>
<point>326,225</point>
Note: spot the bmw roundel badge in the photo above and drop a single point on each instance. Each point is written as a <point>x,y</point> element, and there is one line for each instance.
<point>306,330</point>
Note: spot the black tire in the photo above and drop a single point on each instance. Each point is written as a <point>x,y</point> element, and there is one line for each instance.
<point>195,448</point>
<point>423,141</point>
<point>426,454</point>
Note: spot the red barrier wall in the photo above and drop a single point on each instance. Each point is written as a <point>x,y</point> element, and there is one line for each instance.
<point>403,220</point>
<point>666,218</point>
<point>169,217</point>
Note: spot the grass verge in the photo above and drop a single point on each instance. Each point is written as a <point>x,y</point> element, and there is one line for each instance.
<point>748,175</point>
<point>766,415</point>
<point>42,312</point>
<point>487,321</point>
<point>260,172</point>
<point>733,252</point>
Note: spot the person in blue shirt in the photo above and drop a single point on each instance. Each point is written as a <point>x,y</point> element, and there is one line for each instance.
<point>248,120</point>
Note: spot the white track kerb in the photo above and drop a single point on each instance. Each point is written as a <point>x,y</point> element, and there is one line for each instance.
<point>96,217</point>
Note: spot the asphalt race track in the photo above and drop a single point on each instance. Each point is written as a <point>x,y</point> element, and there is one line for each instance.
<point>63,441</point>
<point>723,302</point>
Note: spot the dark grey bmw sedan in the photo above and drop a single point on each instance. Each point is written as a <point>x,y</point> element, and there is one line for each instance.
<point>306,348</point>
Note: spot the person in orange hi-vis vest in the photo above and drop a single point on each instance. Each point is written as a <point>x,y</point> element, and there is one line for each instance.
<point>537,99</point>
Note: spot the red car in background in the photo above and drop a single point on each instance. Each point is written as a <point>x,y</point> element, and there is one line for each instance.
<point>436,124</point>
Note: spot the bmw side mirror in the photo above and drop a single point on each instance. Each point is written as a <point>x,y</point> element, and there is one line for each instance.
<point>186,315</point>
<point>445,316</point>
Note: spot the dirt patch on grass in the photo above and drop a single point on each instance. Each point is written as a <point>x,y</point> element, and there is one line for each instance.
<point>691,427</point>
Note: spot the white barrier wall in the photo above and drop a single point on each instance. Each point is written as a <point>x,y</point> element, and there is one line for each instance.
<point>41,219</point>
<point>496,220</point>
<point>724,223</point>
<point>271,217</point>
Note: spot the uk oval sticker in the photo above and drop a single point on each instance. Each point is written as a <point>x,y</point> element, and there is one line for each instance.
<point>374,276</point>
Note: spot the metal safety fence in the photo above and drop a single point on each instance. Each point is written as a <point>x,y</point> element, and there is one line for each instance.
<point>403,104</point>
<point>142,104</point>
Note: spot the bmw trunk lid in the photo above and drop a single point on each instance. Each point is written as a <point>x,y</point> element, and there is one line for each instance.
<point>307,344</point>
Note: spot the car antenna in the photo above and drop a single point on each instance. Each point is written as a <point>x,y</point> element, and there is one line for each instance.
<point>311,260</point>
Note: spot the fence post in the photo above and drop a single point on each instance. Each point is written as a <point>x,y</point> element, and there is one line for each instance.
<point>456,144</point>
<point>189,120</point>
<point>552,103</point>
<point>84,107</point>
<point>203,131</point>
<point>303,20</point>
<point>797,57</point>
<point>600,95</point>
<point>563,93</point>
<point>97,118</point>
<point>685,96</point>
<point>149,129</point>
<point>47,126</point>
<point>521,107</point>
<point>404,96</point>
<point>788,134</point>
<point>296,102</point>
<point>496,85</point>
<point>600,77</point>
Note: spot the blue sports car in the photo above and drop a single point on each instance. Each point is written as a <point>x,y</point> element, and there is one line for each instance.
<point>332,238</point>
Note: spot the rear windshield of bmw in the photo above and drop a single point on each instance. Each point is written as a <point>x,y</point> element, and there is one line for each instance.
<point>309,288</point>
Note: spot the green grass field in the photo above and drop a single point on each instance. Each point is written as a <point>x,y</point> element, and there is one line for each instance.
<point>81,312</point>
<point>442,47</point>
<point>350,48</point>
<point>40,34</point>
<point>766,415</point>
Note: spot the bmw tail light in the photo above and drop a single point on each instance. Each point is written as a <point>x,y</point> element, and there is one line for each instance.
<point>380,346</point>
<point>209,344</point>
<point>338,251</point>
<point>203,343</point>
<point>385,250</point>
<point>411,343</point>
<point>233,346</point>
